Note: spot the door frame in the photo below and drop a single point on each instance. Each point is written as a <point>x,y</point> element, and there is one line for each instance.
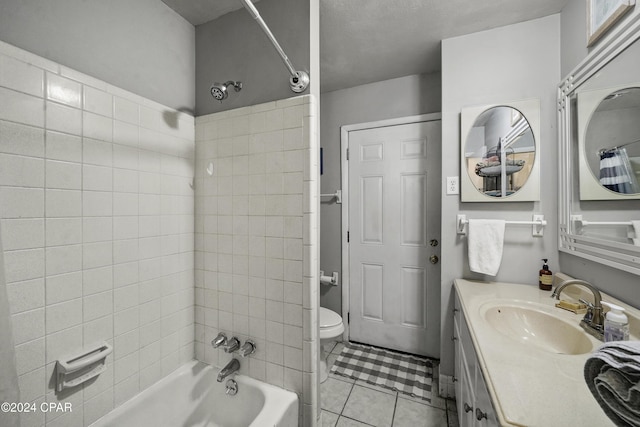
<point>344,164</point>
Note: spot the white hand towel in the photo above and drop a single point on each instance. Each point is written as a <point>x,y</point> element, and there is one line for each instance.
<point>485,240</point>
<point>636,229</point>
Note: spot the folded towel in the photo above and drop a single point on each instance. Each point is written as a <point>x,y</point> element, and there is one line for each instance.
<point>612,374</point>
<point>636,229</point>
<point>485,240</point>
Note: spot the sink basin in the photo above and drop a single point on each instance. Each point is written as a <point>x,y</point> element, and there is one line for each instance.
<point>535,327</point>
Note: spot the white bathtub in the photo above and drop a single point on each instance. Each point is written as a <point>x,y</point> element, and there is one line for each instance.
<point>191,397</point>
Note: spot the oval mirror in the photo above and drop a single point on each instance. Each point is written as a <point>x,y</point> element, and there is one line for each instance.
<point>612,141</point>
<point>499,152</point>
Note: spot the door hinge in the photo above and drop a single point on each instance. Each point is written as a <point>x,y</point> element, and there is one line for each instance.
<point>348,318</point>
<point>347,237</point>
<point>347,154</point>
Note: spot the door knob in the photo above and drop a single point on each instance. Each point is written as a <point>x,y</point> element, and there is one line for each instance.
<point>434,259</point>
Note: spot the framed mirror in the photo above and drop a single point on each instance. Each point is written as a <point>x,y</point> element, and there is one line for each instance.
<point>609,142</point>
<point>499,152</point>
<point>599,139</point>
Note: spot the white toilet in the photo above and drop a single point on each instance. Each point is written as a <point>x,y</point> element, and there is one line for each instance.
<point>331,327</point>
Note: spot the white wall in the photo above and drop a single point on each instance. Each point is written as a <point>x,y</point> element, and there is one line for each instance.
<point>401,97</point>
<point>618,283</point>
<point>516,62</point>
<point>97,226</point>
<point>256,241</point>
<point>142,46</point>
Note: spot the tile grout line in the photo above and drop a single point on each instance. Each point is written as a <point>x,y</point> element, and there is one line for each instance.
<point>395,408</point>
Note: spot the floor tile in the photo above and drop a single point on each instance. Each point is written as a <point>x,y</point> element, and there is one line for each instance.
<point>348,422</point>
<point>370,406</point>
<point>329,419</point>
<point>410,413</point>
<point>435,400</point>
<point>338,348</point>
<point>334,394</point>
<point>328,348</point>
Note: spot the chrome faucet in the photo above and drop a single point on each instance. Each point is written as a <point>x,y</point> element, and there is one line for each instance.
<point>229,345</point>
<point>593,321</point>
<point>220,340</point>
<point>232,345</point>
<point>230,368</point>
<point>249,347</point>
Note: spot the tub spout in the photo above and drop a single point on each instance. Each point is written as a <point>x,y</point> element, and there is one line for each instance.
<point>229,369</point>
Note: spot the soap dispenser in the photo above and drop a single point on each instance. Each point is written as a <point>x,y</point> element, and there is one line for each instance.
<point>616,324</point>
<point>545,277</point>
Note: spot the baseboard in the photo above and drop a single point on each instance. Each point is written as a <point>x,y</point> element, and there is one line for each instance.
<point>446,386</point>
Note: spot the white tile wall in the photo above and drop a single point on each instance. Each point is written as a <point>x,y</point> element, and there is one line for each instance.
<point>254,264</point>
<point>97,224</point>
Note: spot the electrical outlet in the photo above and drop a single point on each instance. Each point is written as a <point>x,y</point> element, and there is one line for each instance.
<point>452,185</point>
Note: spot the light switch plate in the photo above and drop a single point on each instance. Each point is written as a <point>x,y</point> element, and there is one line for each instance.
<point>453,185</point>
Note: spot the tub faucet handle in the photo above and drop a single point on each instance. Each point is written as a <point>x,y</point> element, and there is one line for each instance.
<point>249,347</point>
<point>232,345</point>
<point>220,340</point>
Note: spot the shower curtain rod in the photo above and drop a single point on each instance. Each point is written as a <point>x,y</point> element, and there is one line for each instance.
<point>299,79</point>
<point>604,150</point>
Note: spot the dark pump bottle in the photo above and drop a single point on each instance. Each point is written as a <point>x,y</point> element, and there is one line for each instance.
<point>545,279</point>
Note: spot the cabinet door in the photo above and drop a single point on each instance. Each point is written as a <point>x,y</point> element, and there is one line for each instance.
<point>465,400</point>
<point>457,377</point>
<point>484,414</point>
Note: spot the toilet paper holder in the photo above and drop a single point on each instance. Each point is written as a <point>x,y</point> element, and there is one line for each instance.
<point>329,280</point>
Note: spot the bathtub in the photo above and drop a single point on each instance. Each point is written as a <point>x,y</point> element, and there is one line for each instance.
<point>192,397</point>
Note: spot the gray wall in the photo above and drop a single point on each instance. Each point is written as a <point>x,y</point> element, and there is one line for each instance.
<point>405,96</point>
<point>233,47</point>
<point>142,46</point>
<point>620,284</point>
<point>511,63</point>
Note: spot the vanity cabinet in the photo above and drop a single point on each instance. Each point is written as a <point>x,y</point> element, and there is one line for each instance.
<point>474,405</point>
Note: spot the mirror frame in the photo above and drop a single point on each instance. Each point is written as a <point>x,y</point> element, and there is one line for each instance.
<point>622,256</point>
<point>530,191</point>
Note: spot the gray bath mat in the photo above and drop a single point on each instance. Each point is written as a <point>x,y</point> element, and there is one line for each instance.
<point>406,374</point>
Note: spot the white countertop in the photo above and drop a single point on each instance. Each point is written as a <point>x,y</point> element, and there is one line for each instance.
<point>530,386</point>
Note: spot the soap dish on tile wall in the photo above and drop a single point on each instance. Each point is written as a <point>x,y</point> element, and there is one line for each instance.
<point>77,368</point>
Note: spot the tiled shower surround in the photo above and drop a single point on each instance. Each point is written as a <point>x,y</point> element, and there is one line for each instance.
<point>98,207</point>
<point>97,217</point>
<point>256,262</point>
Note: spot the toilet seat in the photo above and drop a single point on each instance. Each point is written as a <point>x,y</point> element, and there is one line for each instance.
<point>331,325</point>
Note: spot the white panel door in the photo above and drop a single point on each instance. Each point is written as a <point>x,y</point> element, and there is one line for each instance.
<point>394,214</point>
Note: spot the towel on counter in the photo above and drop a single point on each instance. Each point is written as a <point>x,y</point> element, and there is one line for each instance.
<point>636,229</point>
<point>485,240</point>
<point>612,374</point>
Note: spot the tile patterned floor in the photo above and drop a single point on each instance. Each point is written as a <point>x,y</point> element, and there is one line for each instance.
<point>349,403</point>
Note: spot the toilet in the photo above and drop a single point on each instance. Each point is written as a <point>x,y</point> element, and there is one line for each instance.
<point>331,327</point>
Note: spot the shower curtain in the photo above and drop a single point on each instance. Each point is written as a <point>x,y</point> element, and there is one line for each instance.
<point>9,391</point>
<point>616,172</point>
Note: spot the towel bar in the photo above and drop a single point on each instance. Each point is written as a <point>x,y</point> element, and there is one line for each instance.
<point>538,223</point>
<point>581,223</point>
<point>337,195</point>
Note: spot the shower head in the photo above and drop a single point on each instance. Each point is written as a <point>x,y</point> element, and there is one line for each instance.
<point>219,90</point>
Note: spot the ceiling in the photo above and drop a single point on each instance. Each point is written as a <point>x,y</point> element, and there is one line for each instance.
<point>200,11</point>
<point>364,41</point>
